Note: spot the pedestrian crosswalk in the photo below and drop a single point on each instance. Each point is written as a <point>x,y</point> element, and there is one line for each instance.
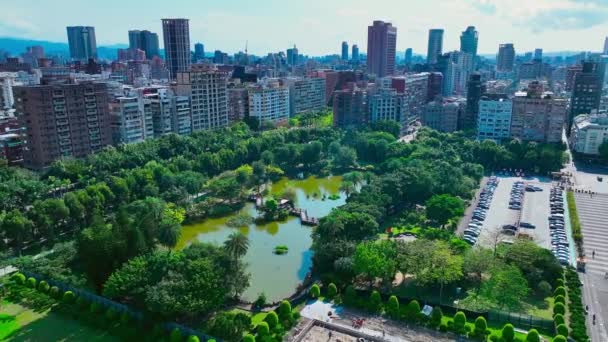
<point>593,215</point>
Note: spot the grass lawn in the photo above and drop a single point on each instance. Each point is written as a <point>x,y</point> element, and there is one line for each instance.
<point>29,325</point>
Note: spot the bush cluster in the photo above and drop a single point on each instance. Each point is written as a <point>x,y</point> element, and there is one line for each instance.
<point>578,330</point>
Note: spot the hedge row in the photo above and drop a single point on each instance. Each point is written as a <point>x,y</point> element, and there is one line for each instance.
<point>93,313</point>
<point>577,233</point>
<point>578,330</point>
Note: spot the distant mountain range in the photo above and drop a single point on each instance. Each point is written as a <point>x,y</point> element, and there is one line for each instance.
<point>16,46</point>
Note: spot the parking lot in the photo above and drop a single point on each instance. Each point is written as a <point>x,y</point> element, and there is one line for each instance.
<point>519,207</point>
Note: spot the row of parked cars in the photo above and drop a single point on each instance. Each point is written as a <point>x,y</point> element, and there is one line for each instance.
<point>471,233</point>
<point>517,195</point>
<point>559,238</point>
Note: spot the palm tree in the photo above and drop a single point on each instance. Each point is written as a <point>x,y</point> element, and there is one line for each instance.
<point>237,245</point>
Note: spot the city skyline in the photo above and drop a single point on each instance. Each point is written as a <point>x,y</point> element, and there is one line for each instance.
<point>227,26</point>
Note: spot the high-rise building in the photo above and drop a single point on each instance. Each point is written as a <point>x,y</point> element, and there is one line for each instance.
<point>344,51</point>
<point>305,94</point>
<point>207,88</point>
<point>494,119</point>
<point>381,48</point>
<point>7,81</point>
<point>388,104</point>
<point>350,106</point>
<point>475,89</point>
<point>199,52</point>
<point>435,46</point>
<point>355,53</point>
<point>238,103</point>
<point>587,90</point>
<point>269,102</point>
<point>538,115</point>
<point>443,114</point>
<point>292,56</point>
<point>176,38</point>
<point>538,54</point>
<point>81,40</point>
<point>128,121</point>
<point>469,40</point>
<point>62,120</point>
<point>506,58</point>
<point>456,67</point>
<point>408,56</point>
<point>144,40</point>
<point>435,86</point>
<point>606,46</point>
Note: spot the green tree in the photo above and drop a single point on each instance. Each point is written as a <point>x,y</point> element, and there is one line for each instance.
<point>17,228</point>
<point>237,245</point>
<point>436,316</point>
<point>285,310</point>
<point>560,338</point>
<point>263,329</point>
<point>376,259</point>
<point>480,327</point>
<point>412,310</point>
<point>506,287</point>
<point>442,208</point>
<point>375,301</point>
<point>562,329</point>
<point>477,262</point>
<point>272,319</point>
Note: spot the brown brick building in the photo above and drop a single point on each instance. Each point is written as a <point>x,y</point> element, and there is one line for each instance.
<point>64,120</point>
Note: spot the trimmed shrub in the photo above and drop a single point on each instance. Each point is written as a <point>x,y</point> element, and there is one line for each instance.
<point>560,338</point>
<point>193,338</point>
<point>544,288</point>
<point>443,327</point>
<point>125,318</point>
<point>249,338</point>
<point>392,307</point>
<point>263,329</point>
<point>315,291</point>
<point>562,329</point>
<point>272,319</point>
<point>559,308</point>
<point>533,336</point>
<point>350,295</point>
<point>436,316</point>
<point>375,301</point>
<point>54,292</point>
<point>175,336</point>
<point>285,310</point>
<point>43,286</point>
<point>69,297</point>
<point>412,310</point>
<point>82,303</point>
<point>296,315</point>
<point>560,299</point>
<point>508,333</point>
<point>460,320</point>
<point>559,282</point>
<point>111,315</point>
<point>18,278</point>
<point>559,291</point>
<point>480,327</point>
<point>559,319</point>
<point>332,290</point>
<point>31,282</point>
<point>494,338</point>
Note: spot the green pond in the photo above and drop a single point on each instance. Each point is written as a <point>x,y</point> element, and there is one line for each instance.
<point>276,275</point>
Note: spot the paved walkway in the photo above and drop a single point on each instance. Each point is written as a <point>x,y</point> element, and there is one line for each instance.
<point>593,215</point>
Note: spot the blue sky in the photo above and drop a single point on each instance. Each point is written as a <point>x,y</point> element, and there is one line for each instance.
<point>319,26</point>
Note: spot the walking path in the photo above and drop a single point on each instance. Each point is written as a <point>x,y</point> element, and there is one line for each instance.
<point>593,215</point>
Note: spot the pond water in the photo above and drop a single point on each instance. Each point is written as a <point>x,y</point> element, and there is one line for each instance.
<point>276,275</point>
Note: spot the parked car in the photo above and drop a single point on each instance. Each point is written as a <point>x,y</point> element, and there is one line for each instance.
<point>527,225</point>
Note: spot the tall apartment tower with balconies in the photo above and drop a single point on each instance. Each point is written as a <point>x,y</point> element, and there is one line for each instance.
<point>64,120</point>
<point>381,48</point>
